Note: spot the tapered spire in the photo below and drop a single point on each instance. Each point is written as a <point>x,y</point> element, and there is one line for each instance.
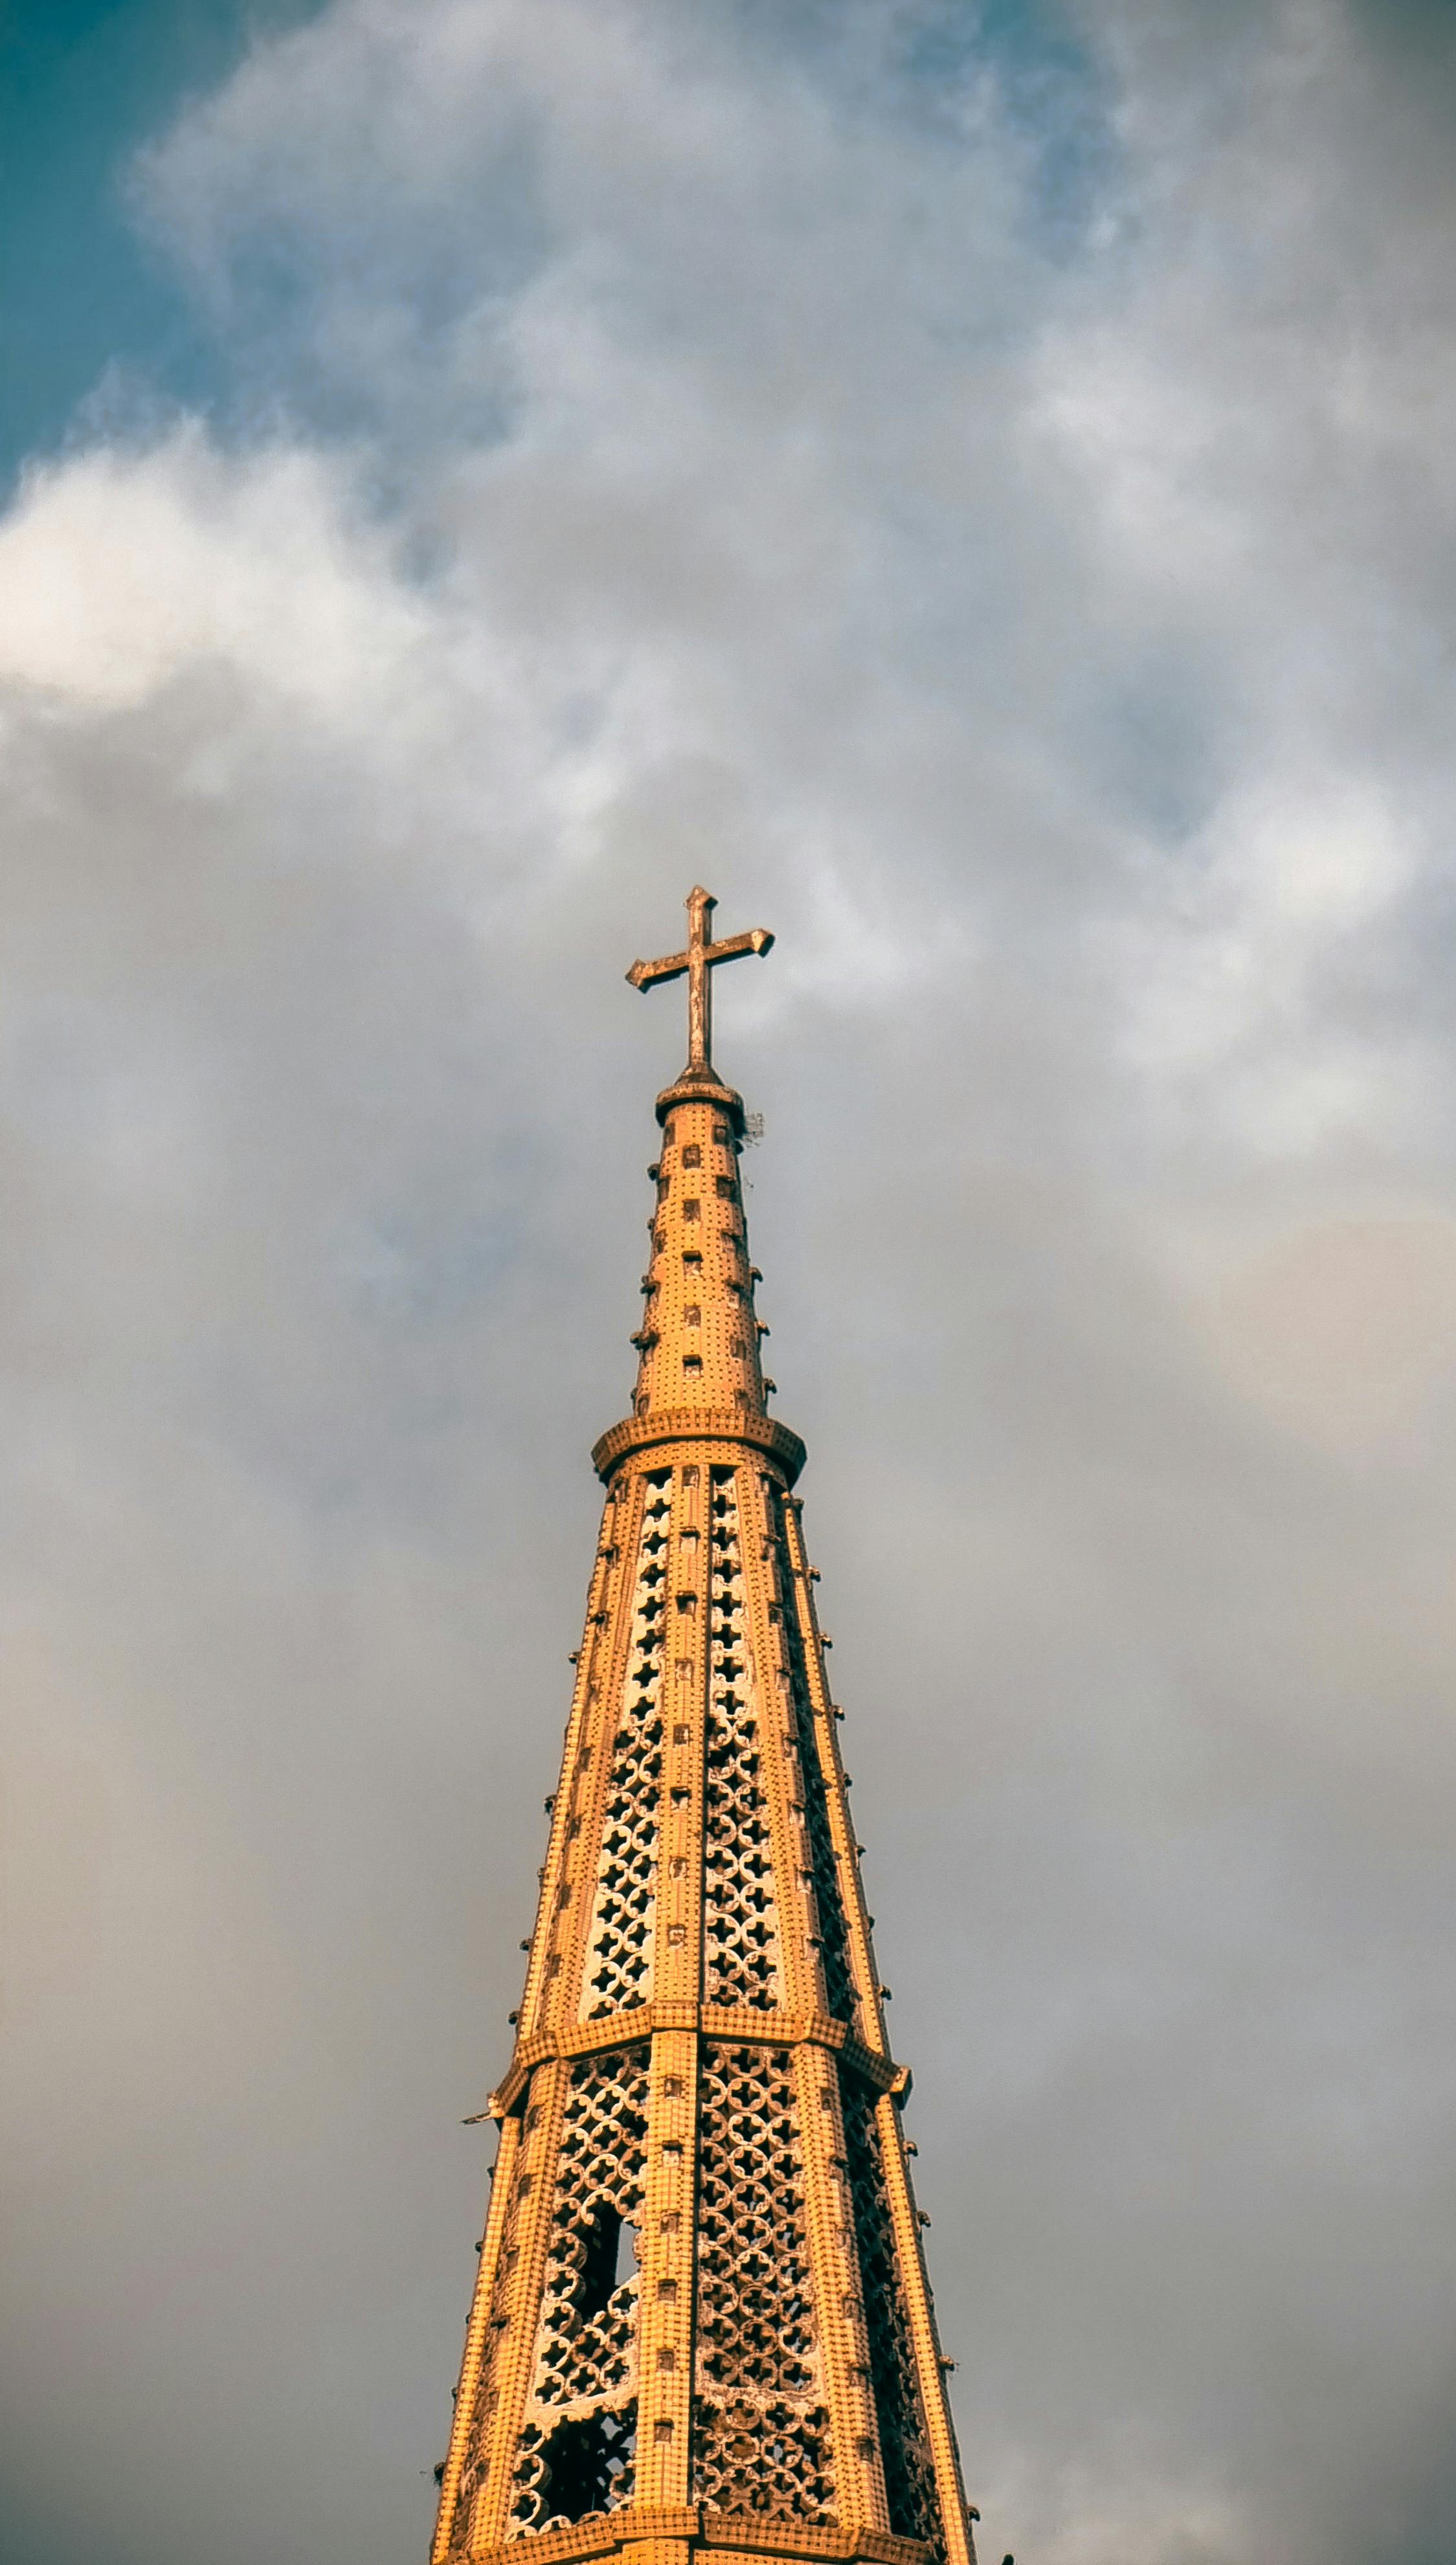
<point>702,2328</point>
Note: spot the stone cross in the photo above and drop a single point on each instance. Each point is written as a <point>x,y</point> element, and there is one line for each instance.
<point>699,960</point>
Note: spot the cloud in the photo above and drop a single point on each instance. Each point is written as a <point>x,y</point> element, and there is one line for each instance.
<point>980,497</point>
<point>119,570</point>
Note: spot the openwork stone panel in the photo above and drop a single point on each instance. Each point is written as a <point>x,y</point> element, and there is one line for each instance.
<point>766,2458</point>
<point>761,2437</point>
<point>586,2463</point>
<point>577,2439</point>
<point>833,1940</point>
<point>909,2469</point>
<point>619,1972</point>
<point>740,1924</point>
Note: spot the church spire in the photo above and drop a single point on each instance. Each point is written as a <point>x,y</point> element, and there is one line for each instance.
<point>702,2321</point>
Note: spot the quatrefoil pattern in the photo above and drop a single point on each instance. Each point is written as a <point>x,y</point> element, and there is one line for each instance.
<point>761,2437</point>
<point>766,2458</point>
<point>741,1934</point>
<point>619,1972</point>
<point>586,2366</point>
<point>583,2465</point>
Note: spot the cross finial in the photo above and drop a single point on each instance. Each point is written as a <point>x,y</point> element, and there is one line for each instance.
<point>699,962</point>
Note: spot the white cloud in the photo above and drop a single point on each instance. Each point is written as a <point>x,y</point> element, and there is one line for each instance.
<point>121,571</point>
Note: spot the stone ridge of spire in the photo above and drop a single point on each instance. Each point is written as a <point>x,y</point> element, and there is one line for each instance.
<point>699,1341</point>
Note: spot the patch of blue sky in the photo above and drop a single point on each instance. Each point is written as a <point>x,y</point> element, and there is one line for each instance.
<point>1048,86</point>
<point>426,270</point>
<point>98,329</point>
<point>938,63</point>
<point>84,301</point>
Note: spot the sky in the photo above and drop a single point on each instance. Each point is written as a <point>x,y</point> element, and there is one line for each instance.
<point>974,486</point>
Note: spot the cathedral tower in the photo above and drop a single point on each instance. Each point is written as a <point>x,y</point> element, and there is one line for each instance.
<point>702,2321</point>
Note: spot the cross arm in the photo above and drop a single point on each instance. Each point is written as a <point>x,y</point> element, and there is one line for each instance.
<point>650,974</point>
<point>647,975</point>
<point>757,940</point>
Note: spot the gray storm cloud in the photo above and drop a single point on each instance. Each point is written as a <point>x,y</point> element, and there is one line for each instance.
<point>987,508</point>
